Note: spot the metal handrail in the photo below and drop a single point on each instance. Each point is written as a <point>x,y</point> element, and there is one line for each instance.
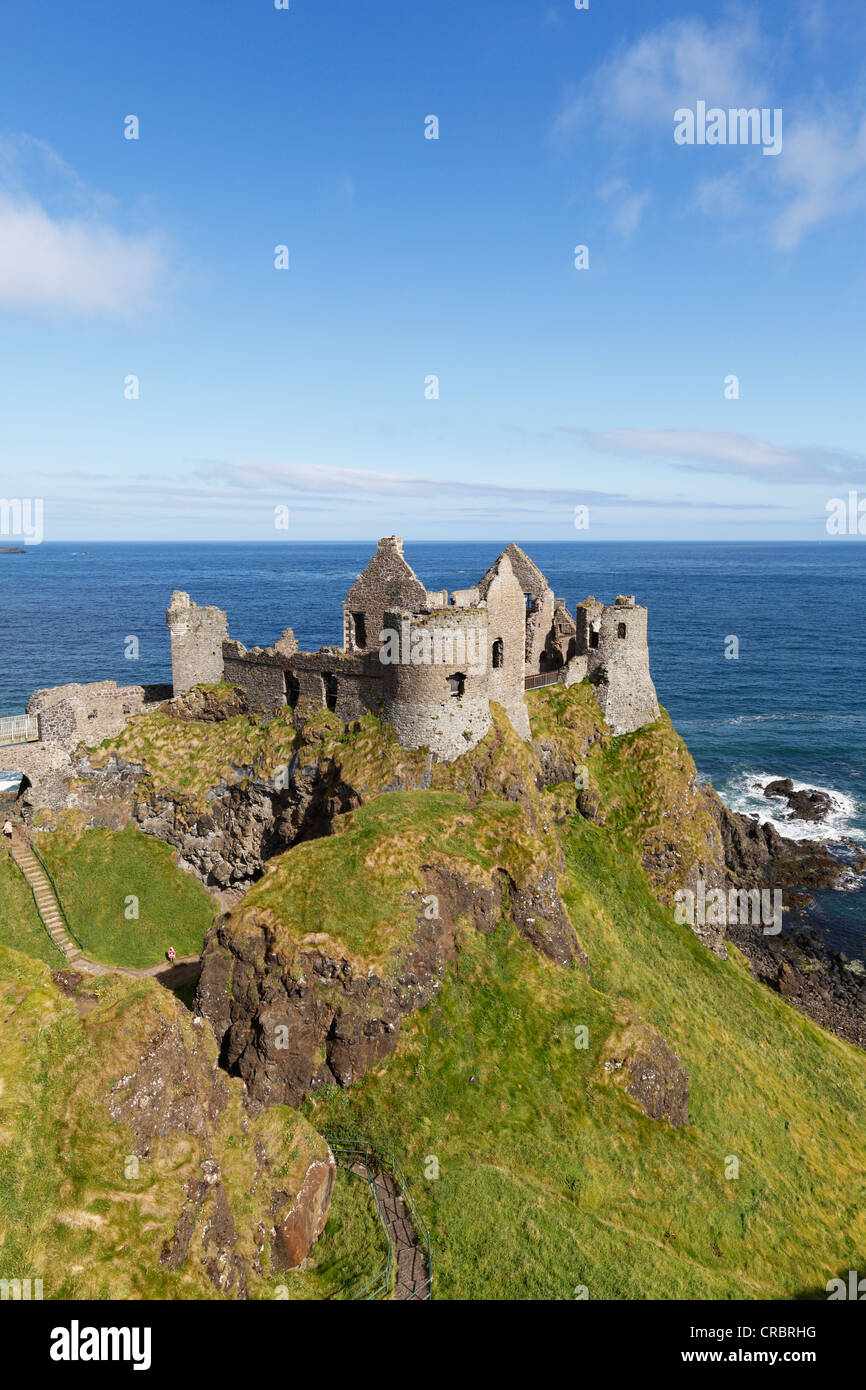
<point>39,914</point>
<point>375,1159</point>
<point>18,728</point>
<point>544,678</point>
<point>45,869</point>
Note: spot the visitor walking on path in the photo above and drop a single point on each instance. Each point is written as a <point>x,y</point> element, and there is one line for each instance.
<point>171,953</point>
<point>7,829</point>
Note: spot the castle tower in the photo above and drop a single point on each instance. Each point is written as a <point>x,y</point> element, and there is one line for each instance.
<point>197,636</point>
<point>435,679</point>
<point>614,640</point>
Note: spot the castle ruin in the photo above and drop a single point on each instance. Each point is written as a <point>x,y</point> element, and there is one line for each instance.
<point>431,662</point>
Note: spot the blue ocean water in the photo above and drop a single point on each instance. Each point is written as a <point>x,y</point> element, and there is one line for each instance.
<point>792,704</point>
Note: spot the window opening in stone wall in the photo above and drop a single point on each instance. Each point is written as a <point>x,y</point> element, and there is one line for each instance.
<point>498,653</point>
<point>329,682</point>
<point>293,690</point>
<point>457,685</point>
<point>360,629</point>
<point>593,636</point>
<point>620,629</point>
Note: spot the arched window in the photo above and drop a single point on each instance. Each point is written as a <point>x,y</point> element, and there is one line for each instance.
<point>457,685</point>
<point>498,653</point>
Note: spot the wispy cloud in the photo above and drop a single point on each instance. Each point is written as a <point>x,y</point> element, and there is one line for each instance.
<point>247,489</point>
<point>58,249</point>
<point>627,205</point>
<point>723,451</point>
<point>641,84</point>
<point>632,95</point>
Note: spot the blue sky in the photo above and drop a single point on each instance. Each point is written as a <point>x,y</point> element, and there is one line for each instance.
<point>409,257</point>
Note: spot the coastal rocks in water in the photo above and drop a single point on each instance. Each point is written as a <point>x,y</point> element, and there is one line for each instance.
<point>806,804</point>
<point>757,856</point>
<point>822,983</point>
<point>817,980</point>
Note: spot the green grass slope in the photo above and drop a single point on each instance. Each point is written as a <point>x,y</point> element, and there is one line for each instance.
<point>21,926</point>
<point>76,1212</point>
<point>97,872</point>
<point>549,1176</point>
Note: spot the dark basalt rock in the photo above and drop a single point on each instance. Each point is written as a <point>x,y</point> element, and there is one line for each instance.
<point>540,917</point>
<point>807,804</point>
<point>210,706</point>
<point>290,1020</point>
<point>814,978</point>
<point>659,1083</point>
<point>654,1076</point>
<point>589,805</point>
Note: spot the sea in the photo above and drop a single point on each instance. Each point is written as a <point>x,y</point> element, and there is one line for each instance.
<point>758,651</point>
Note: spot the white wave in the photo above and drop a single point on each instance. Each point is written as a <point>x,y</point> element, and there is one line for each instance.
<point>744,792</point>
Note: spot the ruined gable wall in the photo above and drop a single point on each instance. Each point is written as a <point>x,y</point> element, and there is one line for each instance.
<point>387,582</point>
<point>506,617</point>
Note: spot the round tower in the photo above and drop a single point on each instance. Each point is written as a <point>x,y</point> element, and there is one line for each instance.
<point>436,678</point>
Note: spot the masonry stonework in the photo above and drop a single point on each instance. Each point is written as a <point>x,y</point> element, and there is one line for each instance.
<point>433,698</point>
<point>429,662</point>
<point>197,636</point>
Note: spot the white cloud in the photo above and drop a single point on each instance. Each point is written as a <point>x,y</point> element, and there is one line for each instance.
<point>822,172</point>
<point>644,83</point>
<point>58,249</point>
<point>73,265</point>
<point>626,203</point>
<point>724,451</point>
<point>632,96</point>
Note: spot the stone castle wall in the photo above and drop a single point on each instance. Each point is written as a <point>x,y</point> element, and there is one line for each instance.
<point>527,632</point>
<point>70,715</point>
<point>618,662</point>
<point>419,697</point>
<point>197,636</point>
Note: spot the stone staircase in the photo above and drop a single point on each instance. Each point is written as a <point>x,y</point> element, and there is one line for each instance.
<point>46,901</point>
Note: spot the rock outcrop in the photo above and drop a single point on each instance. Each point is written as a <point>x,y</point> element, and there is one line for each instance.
<point>223,1198</point>
<point>290,1017</point>
<point>652,1074</point>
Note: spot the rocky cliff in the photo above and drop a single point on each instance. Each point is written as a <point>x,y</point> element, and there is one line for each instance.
<point>135,1153</point>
